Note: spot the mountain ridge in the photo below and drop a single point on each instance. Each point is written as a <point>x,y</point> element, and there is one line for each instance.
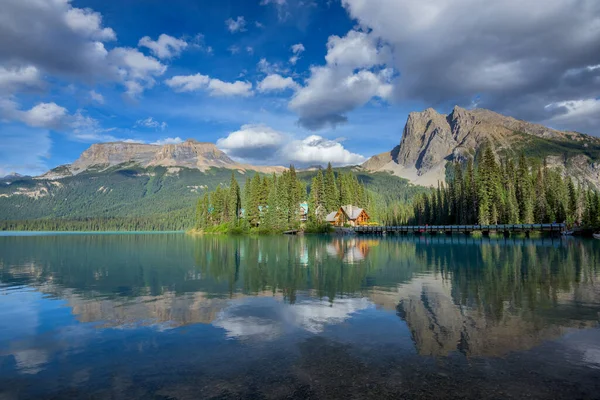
<point>430,140</point>
<point>189,154</point>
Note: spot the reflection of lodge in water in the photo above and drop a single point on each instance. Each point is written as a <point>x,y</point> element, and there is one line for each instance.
<point>351,251</point>
<point>462,294</point>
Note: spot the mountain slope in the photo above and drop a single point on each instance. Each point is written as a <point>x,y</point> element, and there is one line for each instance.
<point>431,139</point>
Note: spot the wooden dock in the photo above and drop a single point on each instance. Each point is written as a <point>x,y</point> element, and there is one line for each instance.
<point>466,229</point>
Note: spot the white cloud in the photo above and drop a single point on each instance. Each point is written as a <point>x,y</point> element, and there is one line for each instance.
<point>87,129</point>
<point>252,142</point>
<point>165,47</point>
<point>260,144</point>
<point>250,49</point>
<point>276,82</point>
<point>356,50</point>
<point>175,140</point>
<point>13,79</point>
<point>566,114</point>
<point>453,51</point>
<point>317,150</point>
<point>52,116</point>
<point>233,49</point>
<point>297,49</point>
<point>137,70</point>
<point>53,37</point>
<point>238,88</point>
<point>97,97</point>
<point>353,75</point>
<point>151,123</point>
<point>216,87</point>
<point>87,23</point>
<point>188,83</point>
<point>45,115</point>
<point>236,25</point>
<point>266,67</point>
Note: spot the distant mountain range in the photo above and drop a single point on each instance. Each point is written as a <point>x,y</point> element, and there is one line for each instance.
<point>189,154</point>
<point>431,140</point>
<point>122,179</point>
<point>13,176</point>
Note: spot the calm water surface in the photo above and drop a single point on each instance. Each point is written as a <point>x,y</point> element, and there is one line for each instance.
<point>174,317</point>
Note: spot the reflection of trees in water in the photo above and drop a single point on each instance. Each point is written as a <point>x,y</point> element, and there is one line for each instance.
<point>448,283</point>
<point>495,296</point>
<point>281,264</point>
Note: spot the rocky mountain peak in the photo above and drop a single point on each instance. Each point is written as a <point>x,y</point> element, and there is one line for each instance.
<point>430,140</point>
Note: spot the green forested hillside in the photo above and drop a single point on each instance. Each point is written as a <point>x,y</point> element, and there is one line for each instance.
<point>139,199</point>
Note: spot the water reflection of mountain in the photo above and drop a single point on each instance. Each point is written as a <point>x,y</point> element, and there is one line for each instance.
<point>455,294</point>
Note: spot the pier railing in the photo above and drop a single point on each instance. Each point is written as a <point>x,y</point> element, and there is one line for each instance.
<point>449,229</point>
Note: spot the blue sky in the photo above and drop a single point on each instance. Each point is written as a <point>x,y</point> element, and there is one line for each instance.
<point>280,81</point>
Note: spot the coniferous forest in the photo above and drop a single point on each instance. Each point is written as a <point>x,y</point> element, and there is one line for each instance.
<point>486,191</point>
<point>274,203</point>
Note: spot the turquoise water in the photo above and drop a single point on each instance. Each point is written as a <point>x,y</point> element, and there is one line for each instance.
<point>168,316</point>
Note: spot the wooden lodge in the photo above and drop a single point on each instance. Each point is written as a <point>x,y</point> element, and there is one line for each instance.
<point>348,215</point>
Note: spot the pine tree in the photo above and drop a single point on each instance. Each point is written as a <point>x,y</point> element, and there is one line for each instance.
<point>331,191</point>
<point>235,200</point>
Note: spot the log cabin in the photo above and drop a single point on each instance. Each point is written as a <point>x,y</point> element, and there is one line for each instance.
<point>351,215</point>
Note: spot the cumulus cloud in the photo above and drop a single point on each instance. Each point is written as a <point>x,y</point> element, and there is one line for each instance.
<point>51,116</point>
<point>516,56</point>
<point>236,25</point>
<point>45,115</point>
<point>150,122</point>
<point>297,49</point>
<point>215,87</point>
<point>252,142</point>
<point>16,78</point>
<point>319,150</point>
<point>175,140</point>
<point>70,42</point>
<point>276,82</point>
<point>165,47</point>
<point>137,70</point>
<point>261,144</point>
<point>354,74</point>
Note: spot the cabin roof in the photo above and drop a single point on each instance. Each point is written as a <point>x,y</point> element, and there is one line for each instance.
<point>352,212</point>
<point>331,217</point>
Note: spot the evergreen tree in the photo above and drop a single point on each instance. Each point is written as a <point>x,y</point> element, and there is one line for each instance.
<point>235,200</point>
<point>331,191</point>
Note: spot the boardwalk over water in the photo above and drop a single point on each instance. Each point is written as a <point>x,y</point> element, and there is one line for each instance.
<point>468,229</point>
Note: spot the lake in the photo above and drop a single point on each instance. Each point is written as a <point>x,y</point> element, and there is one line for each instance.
<point>168,316</point>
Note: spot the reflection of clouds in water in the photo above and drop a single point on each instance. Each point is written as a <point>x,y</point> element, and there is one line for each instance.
<point>592,356</point>
<point>30,361</point>
<point>267,319</point>
<point>585,345</point>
